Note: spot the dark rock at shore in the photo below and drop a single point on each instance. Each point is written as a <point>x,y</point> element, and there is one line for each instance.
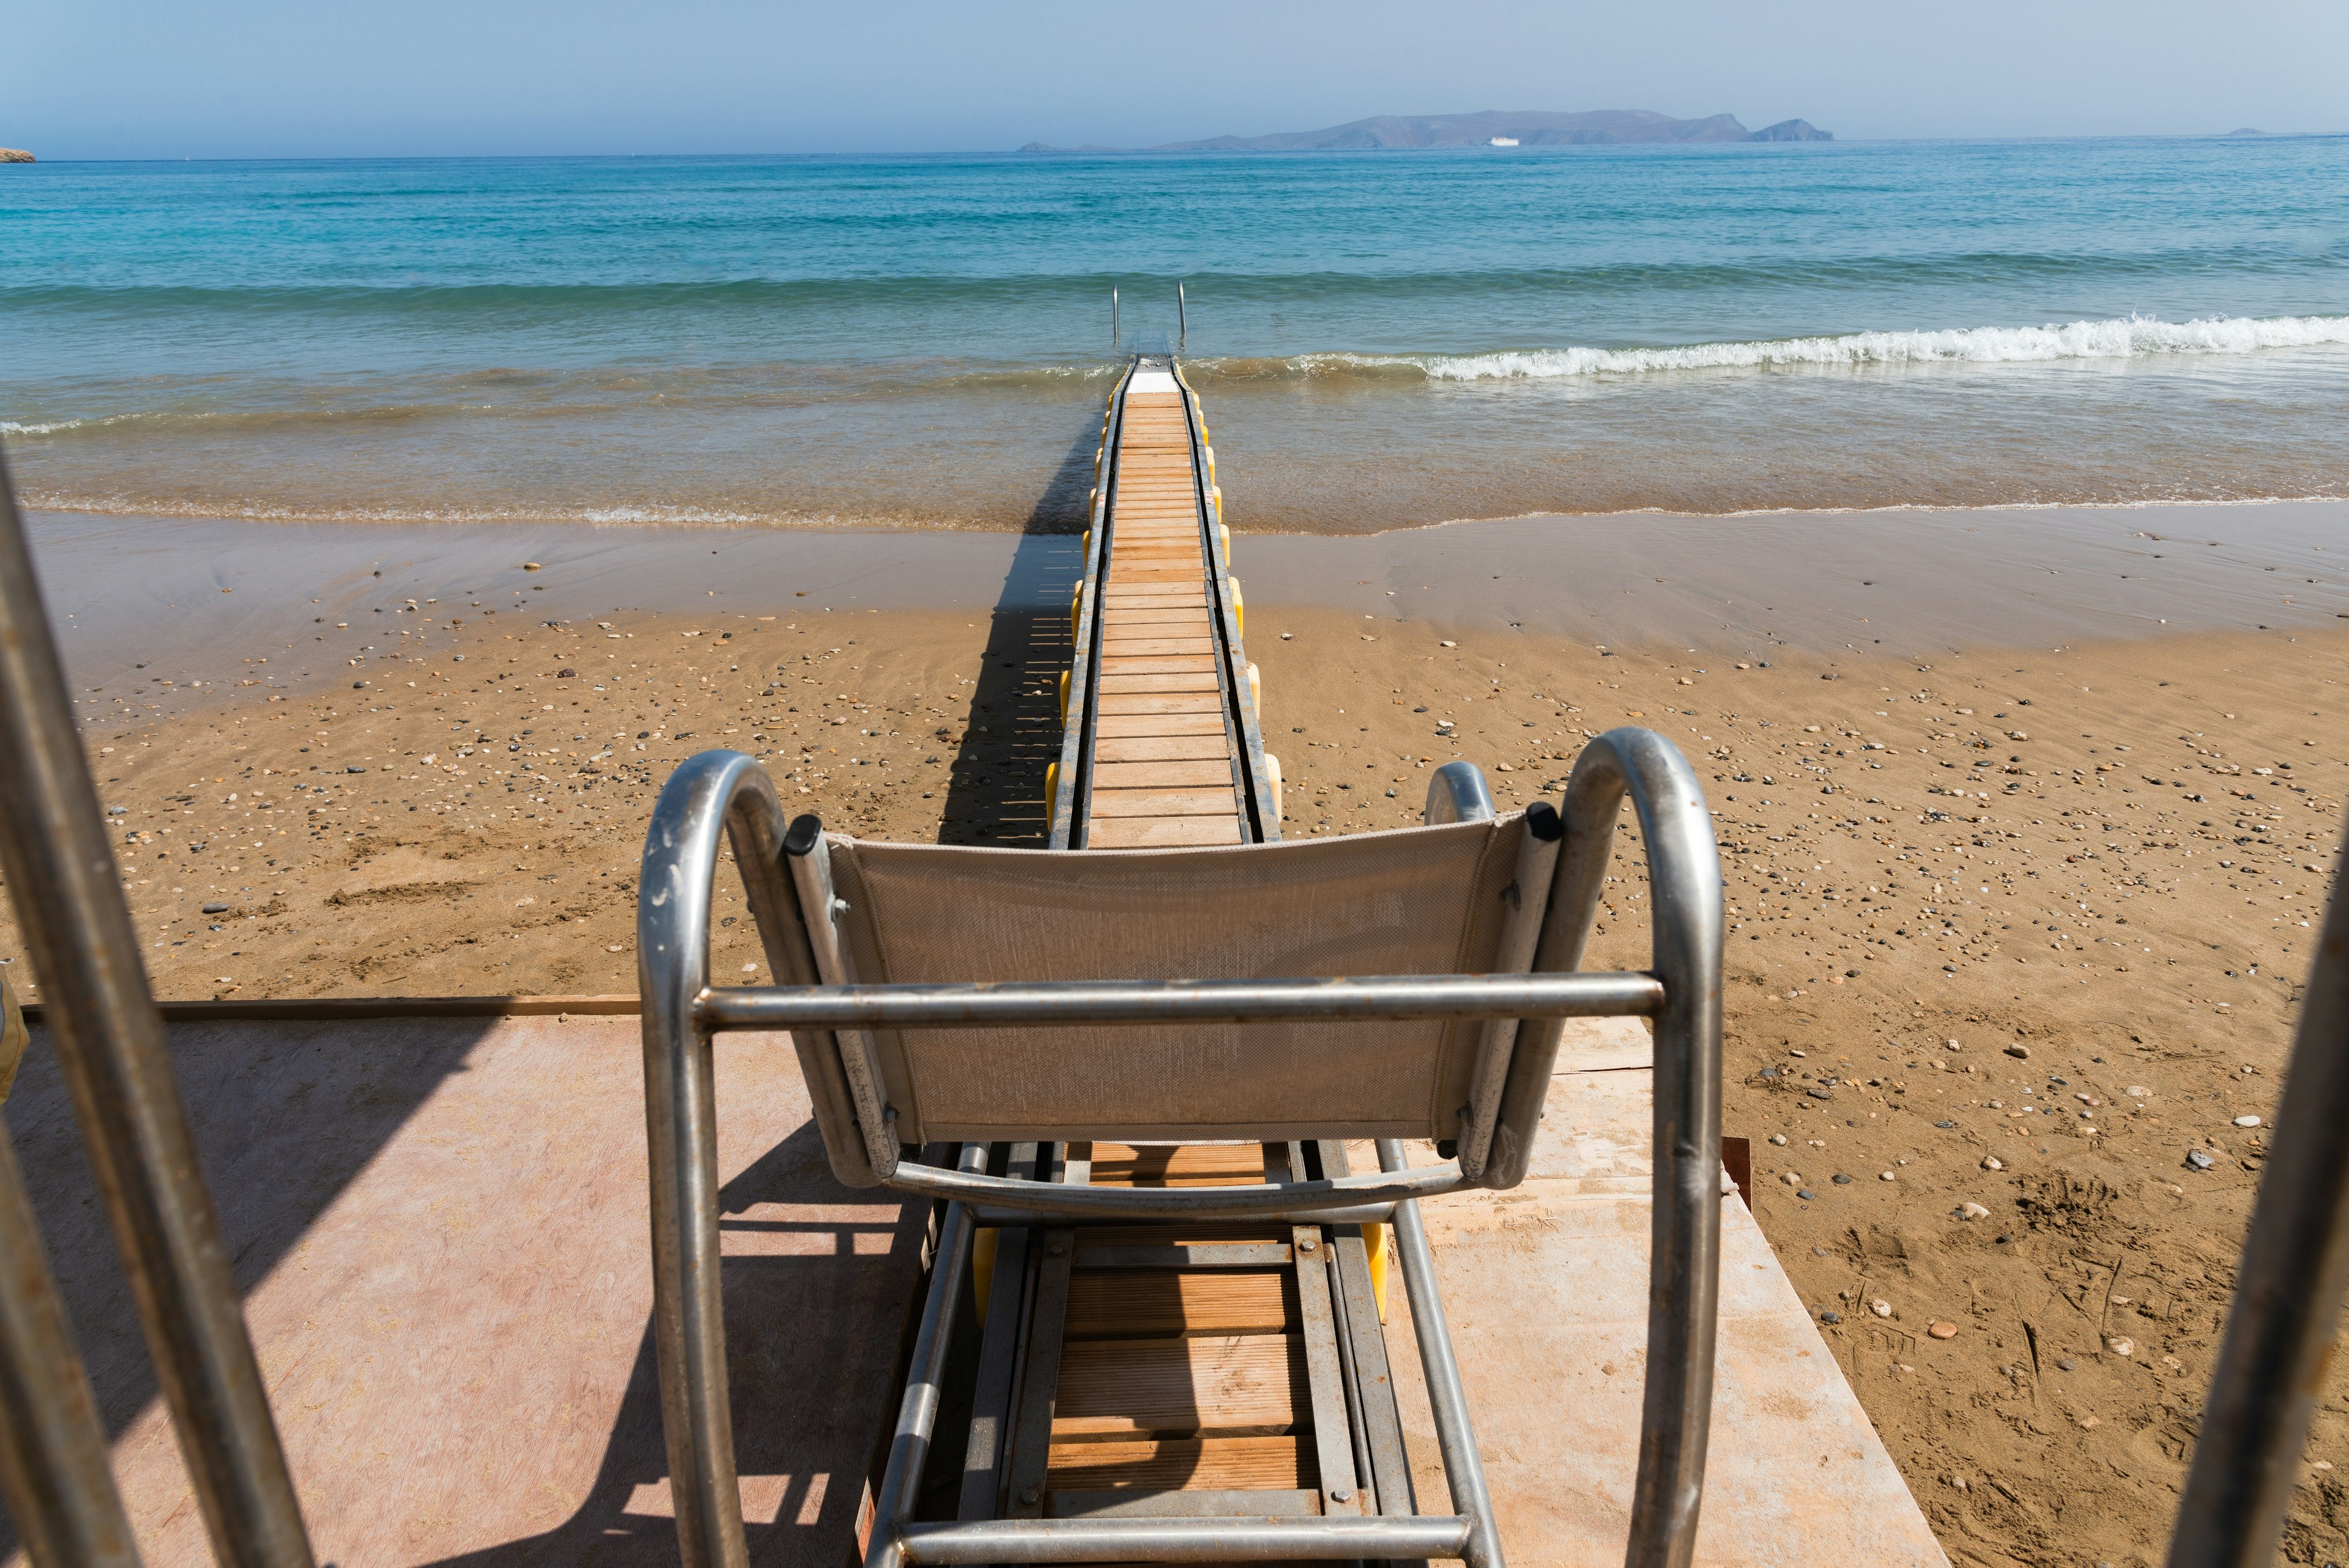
<point>15,155</point>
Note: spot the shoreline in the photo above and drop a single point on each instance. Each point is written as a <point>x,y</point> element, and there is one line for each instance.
<point>193,597</point>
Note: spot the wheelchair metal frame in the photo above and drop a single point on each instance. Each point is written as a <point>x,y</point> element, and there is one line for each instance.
<point>725,794</point>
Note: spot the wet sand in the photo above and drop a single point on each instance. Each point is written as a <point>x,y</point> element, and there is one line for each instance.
<point>2077,805</point>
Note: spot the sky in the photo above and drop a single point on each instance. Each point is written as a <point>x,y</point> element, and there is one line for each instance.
<point>139,79</point>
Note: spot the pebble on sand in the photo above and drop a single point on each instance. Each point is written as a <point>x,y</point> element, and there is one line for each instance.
<point>1880,1307</point>
<point>1886,1175</point>
<point>1943,1330</point>
<point>2247,1121</point>
<point>1790,1179</point>
<point>1778,1138</point>
<point>2020,1053</point>
<point>1972,1211</point>
<point>2199,1160</point>
<point>2121,1346</point>
<point>1991,1162</point>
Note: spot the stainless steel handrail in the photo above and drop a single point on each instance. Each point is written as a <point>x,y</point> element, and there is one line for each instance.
<point>2286,1314</point>
<point>1386,997</point>
<point>109,1042</point>
<point>1684,1222</point>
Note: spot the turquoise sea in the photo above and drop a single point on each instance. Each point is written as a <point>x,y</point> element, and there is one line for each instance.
<point>1383,338</point>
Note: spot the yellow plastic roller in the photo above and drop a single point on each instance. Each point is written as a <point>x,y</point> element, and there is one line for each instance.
<point>1051,783</point>
<point>1239,610</point>
<point>1215,500</point>
<point>1224,535</point>
<point>1256,690</point>
<point>1064,696</point>
<point>1272,770</point>
<point>1209,453</point>
<point>1374,1239</point>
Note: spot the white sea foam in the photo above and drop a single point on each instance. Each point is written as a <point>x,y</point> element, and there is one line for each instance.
<point>2135,337</point>
<point>16,427</point>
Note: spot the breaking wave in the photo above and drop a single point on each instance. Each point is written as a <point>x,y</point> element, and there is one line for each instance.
<point>2130,338</point>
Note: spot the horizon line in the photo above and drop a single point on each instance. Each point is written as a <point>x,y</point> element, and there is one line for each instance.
<point>1170,150</point>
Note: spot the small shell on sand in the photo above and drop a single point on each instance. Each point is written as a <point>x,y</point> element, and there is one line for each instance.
<point>1943,1330</point>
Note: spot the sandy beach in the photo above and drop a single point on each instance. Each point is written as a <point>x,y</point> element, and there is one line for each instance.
<point>2026,819</point>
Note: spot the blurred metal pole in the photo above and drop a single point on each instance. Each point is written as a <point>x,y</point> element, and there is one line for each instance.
<point>1112,318</point>
<point>1182,318</point>
<point>53,1469</point>
<point>109,1041</point>
<point>2278,1351</point>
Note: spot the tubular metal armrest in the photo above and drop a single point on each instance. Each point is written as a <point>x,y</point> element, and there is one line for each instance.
<point>1186,1540</point>
<point>1258,1201</point>
<point>1385,997</point>
<point>1458,793</point>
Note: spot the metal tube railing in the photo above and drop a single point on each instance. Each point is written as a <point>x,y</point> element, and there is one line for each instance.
<point>52,1461</point>
<point>2280,1330</point>
<point>1384,998</point>
<point>1447,1399</point>
<point>109,1042</point>
<point>1684,1225</point>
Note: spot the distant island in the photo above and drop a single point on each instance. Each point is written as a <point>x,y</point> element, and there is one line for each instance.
<point>1493,127</point>
<point>15,155</point>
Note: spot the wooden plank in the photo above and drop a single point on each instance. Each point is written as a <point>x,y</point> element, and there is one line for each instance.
<point>1150,685</point>
<point>1161,747</point>
<point>1193,1464</point>
<point>1116,702</point>
<point>1163,802</point>
<point>1179,1165</point>
<point>1161,833</point>
<point>1125,619</point>
<point>1163,1304</point>
<point>1117,663</point>
<point>1130,646</point>
<point>1239,1385</point>
<point>1203,773</point>
<point>1150,724</point>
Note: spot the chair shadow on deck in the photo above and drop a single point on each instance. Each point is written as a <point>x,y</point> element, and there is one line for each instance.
<point>994,793</point>
<point>806,1333</point>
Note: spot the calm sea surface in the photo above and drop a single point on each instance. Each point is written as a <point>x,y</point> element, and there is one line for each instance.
<point>1382,338</point>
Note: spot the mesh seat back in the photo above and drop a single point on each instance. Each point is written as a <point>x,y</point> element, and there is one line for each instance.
<point>1426,901</point>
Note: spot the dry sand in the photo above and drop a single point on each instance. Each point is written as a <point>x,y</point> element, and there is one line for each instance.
<point>2046,901</point>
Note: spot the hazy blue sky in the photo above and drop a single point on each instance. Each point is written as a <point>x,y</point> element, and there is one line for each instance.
<point>274,77</point>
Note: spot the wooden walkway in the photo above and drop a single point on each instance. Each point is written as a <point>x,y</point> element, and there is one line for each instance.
<point>1161,749</point>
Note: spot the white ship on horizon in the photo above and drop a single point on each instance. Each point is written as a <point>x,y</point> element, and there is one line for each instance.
<point>1502,141</point>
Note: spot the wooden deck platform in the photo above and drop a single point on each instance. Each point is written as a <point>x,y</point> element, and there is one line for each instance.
<point>1160,729</point>
<point>439,1229</point>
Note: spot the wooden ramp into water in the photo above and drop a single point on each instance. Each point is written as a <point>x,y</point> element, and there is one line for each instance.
<point>1160,747</point>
